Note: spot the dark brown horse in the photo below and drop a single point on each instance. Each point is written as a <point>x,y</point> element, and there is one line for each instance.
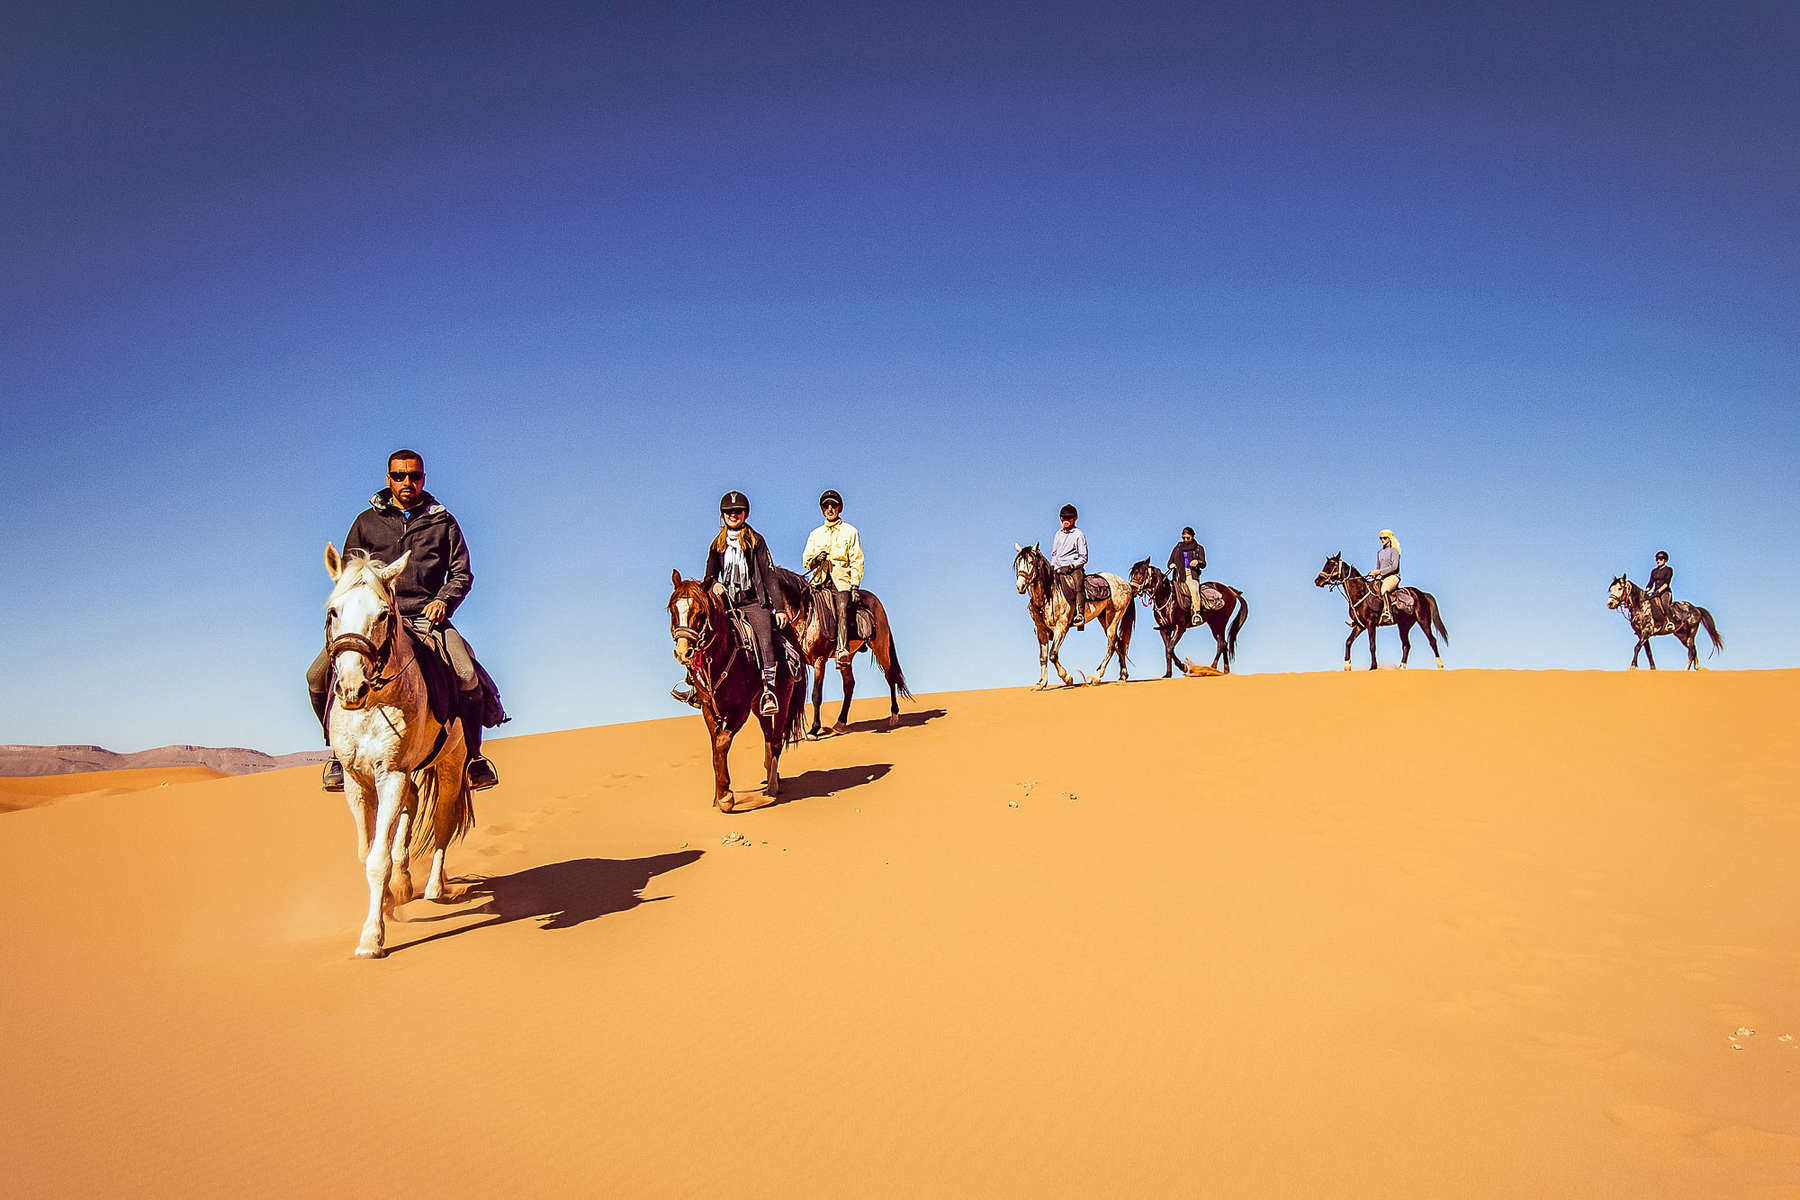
<point>1172,610</point>
<point>1109,602</point>
<point>729,684</point>
<point>1684,623</point>
<point>1410,606</point>
<point>814,621</point>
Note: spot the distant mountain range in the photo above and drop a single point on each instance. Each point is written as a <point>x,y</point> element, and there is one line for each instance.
<point>63,760</point>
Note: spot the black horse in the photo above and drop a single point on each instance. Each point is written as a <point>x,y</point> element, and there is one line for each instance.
<point>1172,610</point>
<point>1410,606</point>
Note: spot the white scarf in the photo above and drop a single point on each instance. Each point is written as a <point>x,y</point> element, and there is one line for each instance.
<point>736,565</point>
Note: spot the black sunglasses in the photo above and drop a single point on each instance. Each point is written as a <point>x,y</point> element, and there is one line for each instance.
<point>402,475</point>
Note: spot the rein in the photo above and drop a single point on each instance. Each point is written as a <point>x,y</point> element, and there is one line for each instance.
<point>702,666</point>
<point>378,658</point>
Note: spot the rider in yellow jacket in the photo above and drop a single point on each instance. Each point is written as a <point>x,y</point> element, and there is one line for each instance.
<point>841,567</point>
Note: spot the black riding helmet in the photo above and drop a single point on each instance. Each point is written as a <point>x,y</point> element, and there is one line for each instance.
<point>733,501</point>
<point>1068,510</point>
<point>830,496</point>
<point>1662,556</point>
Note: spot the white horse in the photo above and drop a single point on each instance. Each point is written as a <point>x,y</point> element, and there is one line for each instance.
<point>403,768</point>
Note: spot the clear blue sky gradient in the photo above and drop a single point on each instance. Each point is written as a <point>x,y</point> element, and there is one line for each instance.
<point>1519,281</point>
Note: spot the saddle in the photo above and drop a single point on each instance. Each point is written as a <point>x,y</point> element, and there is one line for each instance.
<point>435,670</point>
<point>1097,588</point>
<point>789,665</point>
<point>1212,597</point>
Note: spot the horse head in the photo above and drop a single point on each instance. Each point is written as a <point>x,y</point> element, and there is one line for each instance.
<point>1144,579</point>
<point>691,613</point>
<point>1028,564</point>
<point>1333,572</point>
<point>1619,594</point>
<point>362,622</point>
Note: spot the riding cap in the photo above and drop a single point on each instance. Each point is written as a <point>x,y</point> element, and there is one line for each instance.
<point>831,497</point>
<point>1662,554</point>
<point>731,500</point>
<point>1186,529</point>
<point>1068,510</point>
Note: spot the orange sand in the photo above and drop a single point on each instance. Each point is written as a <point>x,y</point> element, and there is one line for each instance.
<point>1425,934</point>
<point>29,791</point>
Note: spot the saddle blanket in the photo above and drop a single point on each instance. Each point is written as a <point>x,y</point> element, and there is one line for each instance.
<point>1402,600</point>
<point>1212,597</point>
<point>1098,588</point>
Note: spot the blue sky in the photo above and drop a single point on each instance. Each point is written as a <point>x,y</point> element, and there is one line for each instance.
<point>1518,281</point>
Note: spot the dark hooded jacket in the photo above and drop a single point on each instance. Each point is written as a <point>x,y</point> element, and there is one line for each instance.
<point>1184,557</point>
<point>439,566</point>
<point>1662,576</point>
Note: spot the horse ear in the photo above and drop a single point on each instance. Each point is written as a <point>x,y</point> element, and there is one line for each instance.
<point>675,577</point>
<point>334,562</point>
<point>1039,546</point>
<point>1017,547</point>
<point>388,573</point>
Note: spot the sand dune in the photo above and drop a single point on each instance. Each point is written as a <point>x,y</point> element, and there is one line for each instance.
<point>29,791</point>
<point>1423,934</point>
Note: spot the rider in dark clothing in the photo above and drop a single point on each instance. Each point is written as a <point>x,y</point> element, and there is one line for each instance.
<point>739,568</point>
<point>1186,561</point>
<point>404,518</point>
<point>1662,597</point>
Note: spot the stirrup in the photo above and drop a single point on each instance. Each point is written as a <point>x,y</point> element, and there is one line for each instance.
<point>332,779</point>
<point>769,705</point>
<point>687,696</point>
<point>480,773</point>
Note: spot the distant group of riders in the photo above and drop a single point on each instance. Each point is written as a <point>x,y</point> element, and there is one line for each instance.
<point>404,520</point>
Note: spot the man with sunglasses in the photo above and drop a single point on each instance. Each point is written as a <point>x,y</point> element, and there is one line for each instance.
<point>837,550</point>
<point>403,517</point>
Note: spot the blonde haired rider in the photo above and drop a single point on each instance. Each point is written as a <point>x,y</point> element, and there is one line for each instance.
<point>1387,572</point>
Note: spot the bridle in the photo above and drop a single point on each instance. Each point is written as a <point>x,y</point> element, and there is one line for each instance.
<point>377,656</point>
<point>703,635</point>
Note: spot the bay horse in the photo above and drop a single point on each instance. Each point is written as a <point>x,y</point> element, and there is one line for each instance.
<point>814,621</point>
<point>1684,623</point>
<point>403,766</point>
<point>1364,598</point>
<point>729,686</point>
<point>1052,615</point>
<point>1172,609</point>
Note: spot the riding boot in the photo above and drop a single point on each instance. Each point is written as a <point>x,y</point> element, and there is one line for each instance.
<point>1080,599</point>
<point>840,601</point>
<point>477,770</point>
<point>769,705</point>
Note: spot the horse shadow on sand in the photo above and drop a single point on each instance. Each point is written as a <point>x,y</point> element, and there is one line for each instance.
<point>908,720</point>
<point>812,785</point>
<point>557,895</point>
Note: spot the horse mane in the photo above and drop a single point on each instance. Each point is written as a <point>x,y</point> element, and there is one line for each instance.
<point>360,567</point>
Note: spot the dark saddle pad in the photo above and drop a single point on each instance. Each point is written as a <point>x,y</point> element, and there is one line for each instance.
<point>1098,588</point>
<point>1403,600</point>
<point>1212,597</point>
<point>863,624</point>
<point>434,668</point>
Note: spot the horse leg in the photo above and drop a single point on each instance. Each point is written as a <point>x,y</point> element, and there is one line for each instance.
<point>1372,663</point>
<point>849,676</point>
<point>1218,632</point>
<point>452,788</point>
<point>400,886</point>
<point>390,789</point>
<point>771,729</point>
<point>1350,641</point>
<point>1056,641</point>
<point>721,733</point>
<point>1426,613</point>
<point>1692,640</point>
<point>1168,653</point>
<point>1109,626</point>
<point>1649,654</point>
<point>362,810</point>
<point>1405,628</point>
<point>818,697</point>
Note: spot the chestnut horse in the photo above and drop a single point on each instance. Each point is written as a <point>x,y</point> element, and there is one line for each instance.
<point>1414,607</point>
<point>1171,608</point>
<point>814,621</point>
<point>729,684</point>
<point>1684,623</point>
<point>1052,615</point>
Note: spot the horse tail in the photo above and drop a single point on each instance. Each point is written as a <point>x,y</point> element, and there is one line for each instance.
<point>895,676</point>
<point>438,819</point>
<point>1126,624</point>
<point>1718,643</point>
<point>1237,623</point>
<point>1437,621</point>
<point>794,727</point>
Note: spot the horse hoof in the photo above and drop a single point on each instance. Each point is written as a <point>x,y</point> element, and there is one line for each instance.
<point>1402,666</point>
<point>370,952</point>
<point>894,721</point>
<point>1346,666</point>
<point>1440,664</point>
<point>840,727</point>
<point>724,804</point>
